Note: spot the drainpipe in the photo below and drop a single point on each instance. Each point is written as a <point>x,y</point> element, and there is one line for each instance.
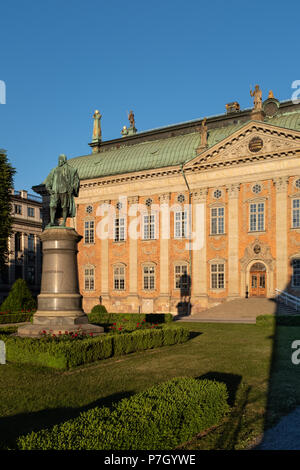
<point>190,233</point>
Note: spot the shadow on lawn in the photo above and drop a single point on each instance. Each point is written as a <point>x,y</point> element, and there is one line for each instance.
<point>11,427</point>
<point>284,380</point>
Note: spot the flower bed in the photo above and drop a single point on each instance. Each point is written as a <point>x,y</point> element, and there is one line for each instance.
<point>66,351</point>
<point>159,418</point>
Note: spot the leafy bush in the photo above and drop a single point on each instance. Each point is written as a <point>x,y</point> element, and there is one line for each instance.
<point>110,318</point>
<point>51,352</point>
<point>159,418</point>
<point>279,320</point>
<point>16,317</point>
<point>99,309</point>
<point>19,298</point>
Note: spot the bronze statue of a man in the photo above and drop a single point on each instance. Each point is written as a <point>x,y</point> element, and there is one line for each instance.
<point>62,183</point>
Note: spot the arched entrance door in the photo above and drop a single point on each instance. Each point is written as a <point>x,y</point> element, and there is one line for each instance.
<point>258,280</point>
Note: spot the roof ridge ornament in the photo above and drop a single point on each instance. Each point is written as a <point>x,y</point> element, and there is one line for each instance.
<point>257,113</point>
<point>97,134</point>
<point>203,136</point>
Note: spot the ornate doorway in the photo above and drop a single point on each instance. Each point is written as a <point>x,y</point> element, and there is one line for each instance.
<point>258,280</point>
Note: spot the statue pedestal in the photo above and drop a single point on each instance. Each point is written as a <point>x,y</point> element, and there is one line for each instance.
<point>59,303</point>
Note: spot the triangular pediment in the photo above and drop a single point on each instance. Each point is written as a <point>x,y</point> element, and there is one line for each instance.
<point>253,141</point>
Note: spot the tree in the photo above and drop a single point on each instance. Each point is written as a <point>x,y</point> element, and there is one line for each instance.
<point>20,298</point>
<point>6,186</point>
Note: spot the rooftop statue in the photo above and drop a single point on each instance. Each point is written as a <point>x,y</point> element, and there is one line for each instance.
<point>62,183</point>
<point>257,95</point>
<point>131,119</point>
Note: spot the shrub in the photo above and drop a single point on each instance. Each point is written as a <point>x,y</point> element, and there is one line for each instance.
<point>99,309</point>
<point>19,298</point>
<point>61,354</point>
<point>110,318</point>
<point>278,320</point>
<point>16,317</point>
<point>159,418</point>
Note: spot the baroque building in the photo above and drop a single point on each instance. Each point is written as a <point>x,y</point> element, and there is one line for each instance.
<point>215,204</point>
<point>24,259</point>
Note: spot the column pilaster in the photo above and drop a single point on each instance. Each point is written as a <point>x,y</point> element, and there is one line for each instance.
<point>199,263</point>
<point>233,240</point>
<point>281,185</point>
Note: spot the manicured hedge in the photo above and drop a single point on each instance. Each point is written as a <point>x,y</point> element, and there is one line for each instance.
<point>67,354</point>
<point>99,309</point>
<point>15,317</point>
<point>279,320</point>
<point>159,418</point>
<point>110,318</point>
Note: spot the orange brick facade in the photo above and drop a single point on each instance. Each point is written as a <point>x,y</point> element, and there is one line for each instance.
<point>217,250</point>
<point>242,203</point>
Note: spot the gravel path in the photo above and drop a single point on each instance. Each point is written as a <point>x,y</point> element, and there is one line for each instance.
<point>284,436</point>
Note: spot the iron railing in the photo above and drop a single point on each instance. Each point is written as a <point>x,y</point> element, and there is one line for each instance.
<point>288,299</point>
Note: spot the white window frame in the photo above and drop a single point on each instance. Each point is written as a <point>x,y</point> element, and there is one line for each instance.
<point>89,232</point>
<point>89,278</point>
<point>119,278</point>
<point>217,222</point>
<point>256,222</point>
<point>217,275</point>
<point>296,210</point>
<point>180,223</point>
<point>150,276</point>
<point>149,226</point>
<point>177,275</point>
<point>119,229</point>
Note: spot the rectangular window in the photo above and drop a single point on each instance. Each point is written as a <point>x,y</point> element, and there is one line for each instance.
<point>217,220</point>
<point>149,277</point>
<point>296,213</point>
<point>217,276</point>
<point>119,229</point>
<point>296,273</point>
<point>180,224</point>
<point>89,279</point>
<point>149,227</point>
<point>257,217</point>
<point>18,209</point>
<point>30,211</point>
<point>181,277</point>
<point>89,236</point>
<point>41,213</point>
<point>30,242</point>
<point>119,278</point>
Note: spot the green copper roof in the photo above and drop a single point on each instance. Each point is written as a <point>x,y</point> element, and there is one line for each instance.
<point>162,152</point>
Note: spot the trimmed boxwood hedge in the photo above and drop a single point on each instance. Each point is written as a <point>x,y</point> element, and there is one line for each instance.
<point>16,317</point>
<point>279,320</point>
<point>102,318</point>
<point>159,418</point>
<point>72,353</point>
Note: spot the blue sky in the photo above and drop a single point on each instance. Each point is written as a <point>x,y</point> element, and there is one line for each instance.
<point>170,61</point>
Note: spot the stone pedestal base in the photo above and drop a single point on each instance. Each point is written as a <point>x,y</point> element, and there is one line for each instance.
<point>61,327</point>
<point>59,303</point>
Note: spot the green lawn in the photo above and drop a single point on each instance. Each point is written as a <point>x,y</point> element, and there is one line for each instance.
<point>32,398</point>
